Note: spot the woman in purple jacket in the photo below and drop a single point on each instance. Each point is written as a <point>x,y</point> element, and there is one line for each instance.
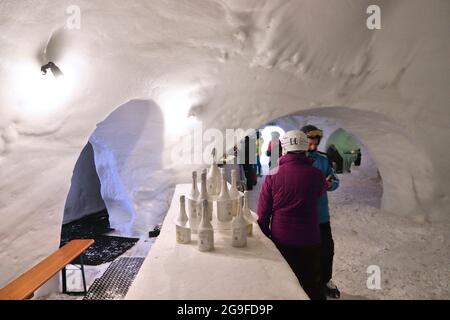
<point>287,210</point>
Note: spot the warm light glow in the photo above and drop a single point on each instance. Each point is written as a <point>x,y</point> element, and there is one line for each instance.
<point>39,95</point>
<point>176,106</point>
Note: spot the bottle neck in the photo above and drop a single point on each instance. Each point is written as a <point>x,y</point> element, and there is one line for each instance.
<point>204,193</point>
<point>239,220</point>
<point>205,219</point>
<point>224,191</point>
<point>194,190</point>
<point>245,201</point>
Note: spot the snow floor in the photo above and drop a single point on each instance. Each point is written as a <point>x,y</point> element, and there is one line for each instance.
<point>414,258</point>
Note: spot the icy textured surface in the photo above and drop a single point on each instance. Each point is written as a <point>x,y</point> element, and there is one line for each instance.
<point>230,64</point>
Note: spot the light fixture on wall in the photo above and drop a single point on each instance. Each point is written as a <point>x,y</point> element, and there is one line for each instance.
<point>176,105</point>
<point>40,92</point>
<point>53,67</point>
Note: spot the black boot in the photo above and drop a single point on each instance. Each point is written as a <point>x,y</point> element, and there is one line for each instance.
<point>331,291</point>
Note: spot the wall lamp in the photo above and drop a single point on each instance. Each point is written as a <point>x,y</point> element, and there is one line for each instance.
<point>53,67</point>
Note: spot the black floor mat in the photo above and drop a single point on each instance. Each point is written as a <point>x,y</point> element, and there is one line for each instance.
<point>116,281</point>
<point>106,249</point>
<point>88,227</point>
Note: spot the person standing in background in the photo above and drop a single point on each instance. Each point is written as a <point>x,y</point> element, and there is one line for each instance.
<point>259,143</point>
<point>274,150</point>
<point>287,211</point>
<point>249,162</point>
<point>321,162</point>
<point>358,158</point>
<point>335,158</point>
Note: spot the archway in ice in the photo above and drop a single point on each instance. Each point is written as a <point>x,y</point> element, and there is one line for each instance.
<point>127,148</point>
<point>344,141</point>
<point>343,149</point>
<point>266,134</point>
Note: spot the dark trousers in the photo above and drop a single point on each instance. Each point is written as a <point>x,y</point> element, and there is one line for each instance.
<point>358,160</point>
<point>326,252</point>
<point>336,158</point>
<point>305,262</point>
<point>249,172</point>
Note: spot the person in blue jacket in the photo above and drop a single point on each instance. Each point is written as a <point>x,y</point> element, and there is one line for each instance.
<point>322,162</point>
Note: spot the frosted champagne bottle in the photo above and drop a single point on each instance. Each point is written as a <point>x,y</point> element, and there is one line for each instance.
<point>183,231</point>
<point>193,204</point>
<point>234,193</point>
<point>224,203</point>
<point>213,178</point>
<point>239,230</point>
<point>205,231</point>
<point>205,196</point>
<point>248,215</point>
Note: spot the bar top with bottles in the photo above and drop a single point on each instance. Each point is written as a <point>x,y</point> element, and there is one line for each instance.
<point>174,271</point>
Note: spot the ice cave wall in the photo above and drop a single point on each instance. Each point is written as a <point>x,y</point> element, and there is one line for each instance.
<point>229,64</point>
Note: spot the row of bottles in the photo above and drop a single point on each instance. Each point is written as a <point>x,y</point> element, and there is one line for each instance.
<point>227,200</point>
<point>241,225</point>
<point>205,229</point>
<point>197,220</point>
<point>195,199</point>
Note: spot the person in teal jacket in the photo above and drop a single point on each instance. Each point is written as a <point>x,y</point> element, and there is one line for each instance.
<point>322,162</point>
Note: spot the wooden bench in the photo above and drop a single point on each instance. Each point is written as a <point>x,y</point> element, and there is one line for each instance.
<point>24,287</point>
